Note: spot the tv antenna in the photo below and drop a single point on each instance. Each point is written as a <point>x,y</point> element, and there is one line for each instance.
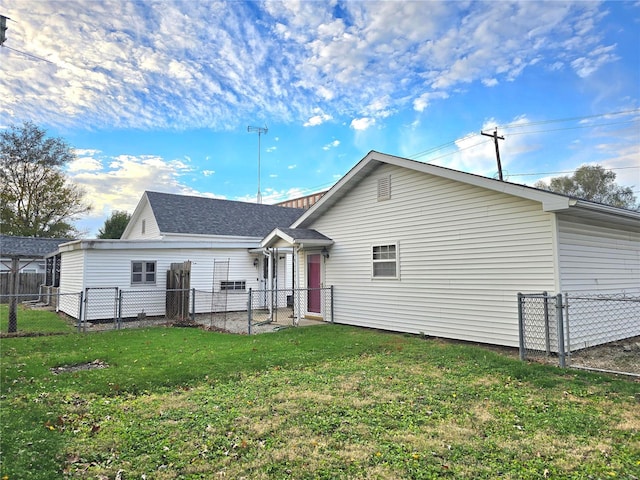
<point>259,131</point>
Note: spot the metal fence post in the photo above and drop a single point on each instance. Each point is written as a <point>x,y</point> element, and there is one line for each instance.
<point>119,323</point>
<point>86,309</point>
<point>547,336</point>
<point>193,304</point>
<point>80,309</point>
<point>523,355</point>
<point>249,312</point>
<point>560,323</point>
<point>567,332</point>
<point>332,304</point>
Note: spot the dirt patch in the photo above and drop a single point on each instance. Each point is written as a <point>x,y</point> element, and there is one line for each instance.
<point>96,364</point>
<point>620,356</point>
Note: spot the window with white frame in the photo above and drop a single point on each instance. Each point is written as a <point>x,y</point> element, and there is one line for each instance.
<point>233,285</point>
<point>385,261</point>
<point>143,272</point>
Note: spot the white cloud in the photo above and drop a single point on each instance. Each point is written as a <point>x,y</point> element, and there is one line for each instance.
<point>208,173</point>
<point>84,164</point>
<point>362,123</point>
<point>291,167</point>
<point>331,145</point>
<point>120,184</point>
<point>212,64</point>
<point>423,101</point>
<point>318,119</point>
<point>585,66</point>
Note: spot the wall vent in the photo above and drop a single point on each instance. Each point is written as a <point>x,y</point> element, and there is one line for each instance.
<point>384,188</point>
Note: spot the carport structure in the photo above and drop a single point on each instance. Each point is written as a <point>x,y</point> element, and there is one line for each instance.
<point>15,254</point>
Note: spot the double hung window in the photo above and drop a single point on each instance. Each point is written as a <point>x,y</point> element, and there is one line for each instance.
<point>385,261</point>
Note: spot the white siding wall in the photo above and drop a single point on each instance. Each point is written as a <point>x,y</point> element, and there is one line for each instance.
<point>150,225</point>
<point>71,282</point>
<point>464,253</point>
<point>595,258</point>
<point>107,269</point>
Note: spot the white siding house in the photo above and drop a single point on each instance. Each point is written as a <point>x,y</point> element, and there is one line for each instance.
<point>166,229</point>
<point>418,248</point>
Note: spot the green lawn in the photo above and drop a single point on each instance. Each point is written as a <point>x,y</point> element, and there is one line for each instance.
<point>320,402</point>
<point>35,321</point>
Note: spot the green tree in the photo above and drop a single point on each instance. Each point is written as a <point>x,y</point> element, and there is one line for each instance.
<point>594,183</point>
<point>114,225</point>
<point>37,199</point>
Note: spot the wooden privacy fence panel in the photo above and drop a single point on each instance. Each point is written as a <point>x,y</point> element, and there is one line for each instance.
<point>28,284</point>
<point>178,284</point>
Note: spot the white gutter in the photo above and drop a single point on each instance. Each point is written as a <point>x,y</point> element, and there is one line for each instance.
<point>153,245</point>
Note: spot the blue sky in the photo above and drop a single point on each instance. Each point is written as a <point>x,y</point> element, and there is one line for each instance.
<point>159,95</point>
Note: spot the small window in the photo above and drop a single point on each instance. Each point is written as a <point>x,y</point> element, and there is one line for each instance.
<point>143,227</point>
<point>143,273</point>
<point>233,285</point>
<point>385,261</point>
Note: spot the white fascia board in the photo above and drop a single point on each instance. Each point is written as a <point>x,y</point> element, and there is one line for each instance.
<point>154,245</point>
<point>136,213</point>
<point>275,235</point>
<point>607,209</point>
<point>278,234</point>
<point>315,243</point>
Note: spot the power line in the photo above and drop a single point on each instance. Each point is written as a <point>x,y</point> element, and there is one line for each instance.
<point>542,122</point>
<point>565,171</point>
<point>28,54</point>
<point>574,128</point>
<point>570,119</point>
<point>3,39</point>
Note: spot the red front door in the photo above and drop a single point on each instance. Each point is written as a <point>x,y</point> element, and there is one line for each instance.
<point>313,283</point>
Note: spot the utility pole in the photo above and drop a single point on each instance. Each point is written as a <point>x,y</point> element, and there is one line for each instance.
<point>259,131</point>
<point>495,137</point>
<point>3,28</point>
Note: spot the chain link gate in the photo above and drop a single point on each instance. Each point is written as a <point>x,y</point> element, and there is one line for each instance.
<point>272,309</point>
<point>557,325</point>
<point>543,331</point>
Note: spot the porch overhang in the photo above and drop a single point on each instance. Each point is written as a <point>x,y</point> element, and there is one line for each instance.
<point>296,237</point>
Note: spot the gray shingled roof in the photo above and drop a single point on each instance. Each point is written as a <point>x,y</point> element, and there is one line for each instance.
<point>28,247</point>
<point>211,216</point>
<point>304,234</point>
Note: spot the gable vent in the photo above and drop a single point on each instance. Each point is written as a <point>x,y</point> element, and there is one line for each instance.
<point>384,188</point>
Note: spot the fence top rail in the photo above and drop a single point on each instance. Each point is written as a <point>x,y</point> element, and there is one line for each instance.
<point>605,299</point>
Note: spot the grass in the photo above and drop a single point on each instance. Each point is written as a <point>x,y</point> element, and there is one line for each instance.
<point>319,402</point>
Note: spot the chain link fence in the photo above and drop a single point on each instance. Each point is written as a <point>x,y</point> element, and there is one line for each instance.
<point>269,309</point>
<point>19,315</point>
<point>600,330</point>
<point>236,311</point>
